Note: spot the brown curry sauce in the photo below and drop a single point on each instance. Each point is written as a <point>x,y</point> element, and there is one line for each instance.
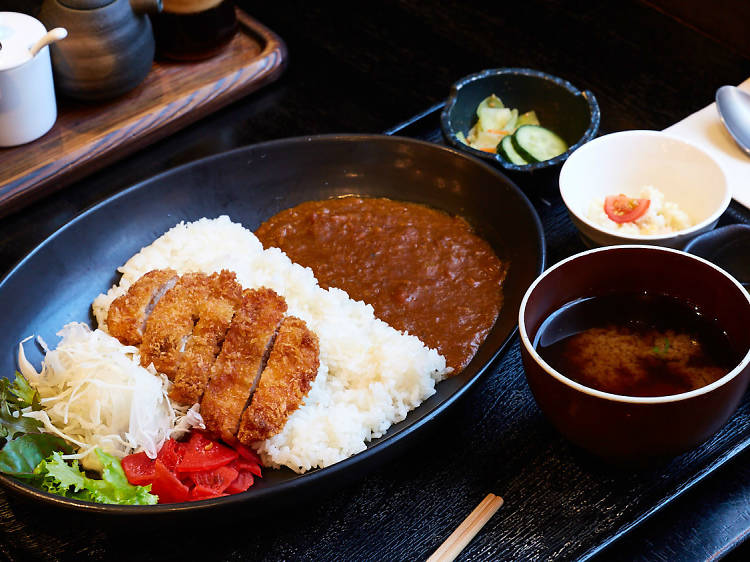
<point>422,270</point>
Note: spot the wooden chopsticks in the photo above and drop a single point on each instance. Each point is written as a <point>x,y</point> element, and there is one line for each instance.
<point>466,531</point>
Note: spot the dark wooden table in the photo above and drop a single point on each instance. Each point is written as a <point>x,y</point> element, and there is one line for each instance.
<point>364,68</point>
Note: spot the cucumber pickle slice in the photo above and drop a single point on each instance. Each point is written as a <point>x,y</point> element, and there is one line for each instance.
<point>506,150</point>
<point>536,144</point>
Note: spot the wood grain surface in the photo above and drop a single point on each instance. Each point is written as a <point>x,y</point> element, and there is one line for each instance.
<point>363,70</point>
<point>723,20</point>
<point>88,136</point>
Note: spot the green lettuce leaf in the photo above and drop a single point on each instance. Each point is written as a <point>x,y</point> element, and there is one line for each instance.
<point>14,397</point>
<point>13,424</point>
<point>26,394</point>
<point>36,457</point>
<point>114,486</point>
<point>64,479</point>
<point>21,456</point>
<point>19,393</point>
<point>58,473</point>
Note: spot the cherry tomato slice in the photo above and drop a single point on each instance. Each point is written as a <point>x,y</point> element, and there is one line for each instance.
<point>217,480</point>
<point>202,453</point>
<point>245,465</point>
<point>167,486</point>
<point>621,208</point>
<point>139,469</point>
<point>246,453</point>
<point>202,493</point>
<point>243,481</point>
<point>171,453</point>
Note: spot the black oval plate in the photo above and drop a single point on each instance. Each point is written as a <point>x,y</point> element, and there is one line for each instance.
<point>57,282</point>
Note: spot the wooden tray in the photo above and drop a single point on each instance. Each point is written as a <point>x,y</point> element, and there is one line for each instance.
<point>87,137</point>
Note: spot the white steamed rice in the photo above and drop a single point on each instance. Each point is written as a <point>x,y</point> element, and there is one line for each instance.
<point>370,375</point>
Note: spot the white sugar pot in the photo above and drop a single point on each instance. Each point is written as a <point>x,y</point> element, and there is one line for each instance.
<point>27,95</point>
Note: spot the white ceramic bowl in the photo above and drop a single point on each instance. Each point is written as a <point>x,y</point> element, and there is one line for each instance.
<point>627,161</point>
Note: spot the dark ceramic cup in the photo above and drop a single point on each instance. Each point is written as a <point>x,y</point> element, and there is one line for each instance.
<point>190,30</point>
<point>636,430</point>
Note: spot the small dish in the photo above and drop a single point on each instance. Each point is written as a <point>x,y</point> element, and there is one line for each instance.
<point>571,113</point>
<point>627,161</point>
<point>636,429</point>
<point>728,247</point>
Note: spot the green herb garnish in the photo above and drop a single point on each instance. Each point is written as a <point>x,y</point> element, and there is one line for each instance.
<point>664,349</point>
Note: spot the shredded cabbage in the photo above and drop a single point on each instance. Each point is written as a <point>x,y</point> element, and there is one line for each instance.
<point>94,393</point>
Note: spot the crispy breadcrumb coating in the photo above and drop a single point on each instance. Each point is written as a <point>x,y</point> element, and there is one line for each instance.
<point>217,343</point>
<point>126,319</point>
<point>171,324</point>
<point>236,370</point>
<point>214,314</point>
<point>286,380</point>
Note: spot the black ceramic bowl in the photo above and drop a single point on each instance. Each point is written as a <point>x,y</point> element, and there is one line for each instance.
<point>636,430</point>
<point>560,106</point>
<point>57,282</point>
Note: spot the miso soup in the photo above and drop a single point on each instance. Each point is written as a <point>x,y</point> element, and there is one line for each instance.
<point>635,344</point>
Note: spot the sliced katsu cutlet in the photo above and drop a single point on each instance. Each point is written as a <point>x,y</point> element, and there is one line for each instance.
<point>171,323</point>
<point>214,315</point>
<point>291,369</point>
<point>126,319</point>
<point>240,362</point>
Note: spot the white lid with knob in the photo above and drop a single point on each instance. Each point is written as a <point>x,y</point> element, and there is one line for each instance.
<point>27,93</point>
<point>18,33</point>
<point>22,37</point>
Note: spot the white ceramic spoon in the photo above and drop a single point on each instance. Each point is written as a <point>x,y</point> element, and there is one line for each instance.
<point>50,37</point>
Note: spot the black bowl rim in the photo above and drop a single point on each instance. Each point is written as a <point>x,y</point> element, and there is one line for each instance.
<point>450,134</point>
<point>708,244</point>
<point>325,475</point>
<point>693,259</point>
<point>703,244</point>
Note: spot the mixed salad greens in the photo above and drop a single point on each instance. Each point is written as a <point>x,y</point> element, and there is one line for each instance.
<point>199,468</point>
<point>39,458</point>
<point>95,425</point>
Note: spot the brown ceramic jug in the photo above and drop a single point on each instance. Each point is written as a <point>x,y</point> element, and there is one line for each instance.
<point>109,49</point>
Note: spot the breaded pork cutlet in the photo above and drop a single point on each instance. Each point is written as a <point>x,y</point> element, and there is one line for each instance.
<point>214,316</point>
<point>240,362</point>
<point>291,369</point>
<point>126,319</point>
<point>171,323</point>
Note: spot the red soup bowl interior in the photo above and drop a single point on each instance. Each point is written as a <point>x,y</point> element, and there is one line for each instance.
<point>636,429</point>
